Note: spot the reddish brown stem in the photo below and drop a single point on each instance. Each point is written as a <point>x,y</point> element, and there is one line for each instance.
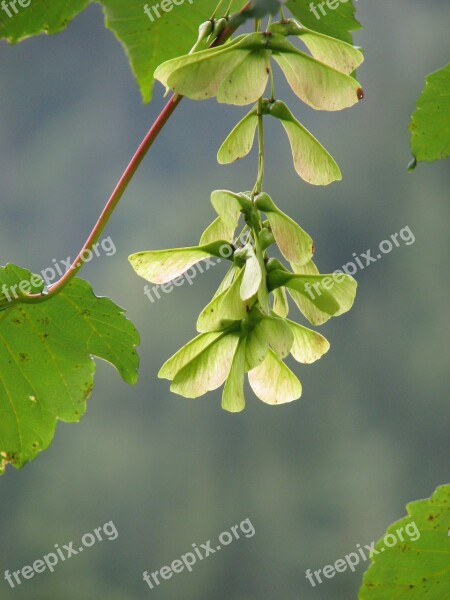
<point>113,200</point>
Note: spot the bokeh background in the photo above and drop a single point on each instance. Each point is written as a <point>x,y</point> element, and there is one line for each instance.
<point>315,477</point>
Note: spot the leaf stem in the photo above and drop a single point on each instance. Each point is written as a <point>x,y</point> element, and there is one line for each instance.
<point>234,22</point>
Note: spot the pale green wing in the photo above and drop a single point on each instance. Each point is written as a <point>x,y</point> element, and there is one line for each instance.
<point>294,243</point>
<point>161,266</point>
<point>280,302</point>
<point>231,275</point>
<point>273,382</point>
<point>208,370</point>
<point>252,275</point>
<point>319,297</point>
<point>199,75</point>
<point>308,345</point>
<point>218,230</point>
<point>176,362</point>
<point>307,269</point>
<point>319,304</point>
<point>311,161</point>
<point>256,348</point>
<point>314,82</point>
<point>233,398</point>
<point>240,141</point>
<point>225,308</point>
<point>236,73</point>
<point>333,52</point>
<point>247,81</point>
<point>227,205</point>
<point>278,335</point>
<point>269,332</point>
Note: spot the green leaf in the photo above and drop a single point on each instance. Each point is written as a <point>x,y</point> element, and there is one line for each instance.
<point>46,357</point>
<point>240,141</point>
<point>430,123</point>
<point>161,266</point>
<point>233,398</point>
<point>209,369</point>
<point>337,23</point>
<point>294,243</point>
<point>412,560</point>
<point>176,362</point>
<point>40,17</point>
<point>308,345</point>
<point>260,8</point>
<point>273,382</point>
<point>225,308</point>
<point>319,297</point>
<point>235,73</point>
<point>317,84</point>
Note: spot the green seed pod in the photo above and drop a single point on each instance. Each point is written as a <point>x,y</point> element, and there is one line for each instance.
<point>219,26</point>
<point>264,202</point>
<point>274,264</point>
<point>266,238</point>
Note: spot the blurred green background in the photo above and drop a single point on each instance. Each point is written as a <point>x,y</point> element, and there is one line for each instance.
<point>315,477</point>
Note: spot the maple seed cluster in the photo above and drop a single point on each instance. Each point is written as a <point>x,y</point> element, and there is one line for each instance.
<point>244,329</point>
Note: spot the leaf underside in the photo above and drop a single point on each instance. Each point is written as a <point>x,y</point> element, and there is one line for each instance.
<point>418,566</point>
<point>46,359</point>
